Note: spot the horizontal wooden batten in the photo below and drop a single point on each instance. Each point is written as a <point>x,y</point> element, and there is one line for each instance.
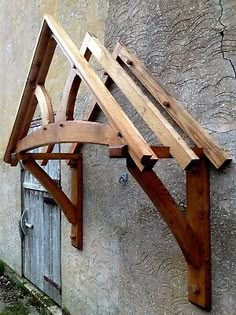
<point>47,156</point>
<point>68,132</point>
<point>150,114</point>
<point>189,125</point>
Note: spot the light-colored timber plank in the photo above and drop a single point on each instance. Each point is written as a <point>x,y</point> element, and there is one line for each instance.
<point>49,184</point>
<point>40,63</point>
<point>138,148</point>
<point>93,110</point>
<point>68,132</point>
<point>46,110</point>
<point>66,108</point>
<point>189,125</point>
<point>67,105</point>
<point>148,111</point>
<point>45,105</point>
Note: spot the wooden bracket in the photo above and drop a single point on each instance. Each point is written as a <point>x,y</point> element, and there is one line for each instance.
<point>192,232</point>
<point>73,209</point>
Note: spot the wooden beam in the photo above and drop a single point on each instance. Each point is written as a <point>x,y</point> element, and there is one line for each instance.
<point>94,109</point>
<point>49,184</point>
<point>77,200</point>
<point>138,148</point>
<point>170,212</point>
<point>198,216</point>
<point>68,132</point>
<point>45,105</point>
<point>66,108</point>
<point>47,156</point>
<point>46,110</point>
<point>38,71</point>
<point>120,151</point>
<point>189,125</point>
<point>148,111</point>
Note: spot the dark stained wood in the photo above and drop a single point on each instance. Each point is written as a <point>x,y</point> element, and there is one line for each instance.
<point>49,184</point>
<point>170,212</point>
<point>118,151</point>
<point>77,200</point>
<point>198,216</point>
<point>48,156</point>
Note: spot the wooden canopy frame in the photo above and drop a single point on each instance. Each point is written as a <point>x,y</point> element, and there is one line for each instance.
<point>191,231</point>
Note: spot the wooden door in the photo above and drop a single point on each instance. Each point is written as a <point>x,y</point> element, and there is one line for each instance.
<point>41,224</point>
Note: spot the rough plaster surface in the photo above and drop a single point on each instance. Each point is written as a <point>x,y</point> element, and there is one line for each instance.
<point>130,263</point>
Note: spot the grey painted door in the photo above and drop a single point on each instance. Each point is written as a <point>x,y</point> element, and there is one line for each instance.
<point>42,237</point>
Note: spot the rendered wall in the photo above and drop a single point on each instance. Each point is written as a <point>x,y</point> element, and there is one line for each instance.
<point>130,263</point>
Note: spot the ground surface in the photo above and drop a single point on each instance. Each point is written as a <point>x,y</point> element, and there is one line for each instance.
<point>14,299</point>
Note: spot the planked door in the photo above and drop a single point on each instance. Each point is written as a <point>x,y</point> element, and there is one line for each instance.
<point>41,225</point>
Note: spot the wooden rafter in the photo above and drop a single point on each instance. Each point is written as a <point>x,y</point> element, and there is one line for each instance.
<point>191,231</point>
<point>151,115</point>
<point>189,125</point>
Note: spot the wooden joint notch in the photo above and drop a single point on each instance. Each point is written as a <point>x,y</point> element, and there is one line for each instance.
<point>118,151</point>
<point>121,151</point>
<point>77,200</point>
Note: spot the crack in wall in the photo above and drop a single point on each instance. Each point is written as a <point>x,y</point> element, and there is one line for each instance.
<point>222,33</point>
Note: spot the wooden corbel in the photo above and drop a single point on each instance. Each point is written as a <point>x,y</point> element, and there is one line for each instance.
<point>72,208</point>
<point>192,232</point>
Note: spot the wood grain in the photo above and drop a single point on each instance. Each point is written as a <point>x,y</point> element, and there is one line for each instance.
<point>68,132</point>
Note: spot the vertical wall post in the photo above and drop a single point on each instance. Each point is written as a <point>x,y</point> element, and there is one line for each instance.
<point>198,215</point>
<point>77,200</point>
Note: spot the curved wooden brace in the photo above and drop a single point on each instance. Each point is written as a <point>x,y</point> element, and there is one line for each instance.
<point>66,108</point>
<point>45,105</point>
<point>169,210</point>
<point>59,196</point>
<point>68,132</point>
